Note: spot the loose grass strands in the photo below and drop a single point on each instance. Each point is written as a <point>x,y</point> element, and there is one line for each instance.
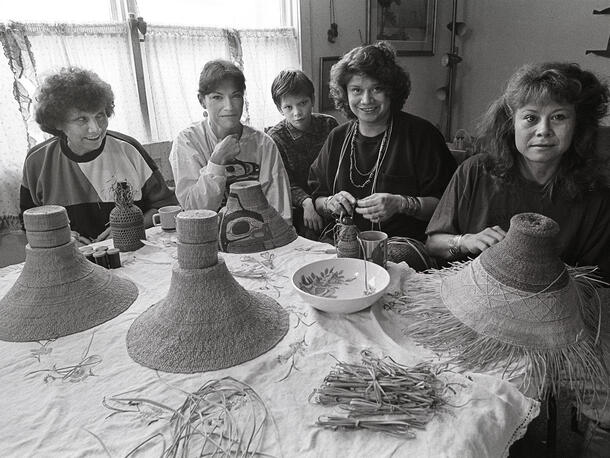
<point>222,418</point>
<point>381,395</point>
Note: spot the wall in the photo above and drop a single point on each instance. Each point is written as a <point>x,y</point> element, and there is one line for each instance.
<point>503,35</point>
<point>426,72</point>
<point>507,34</point>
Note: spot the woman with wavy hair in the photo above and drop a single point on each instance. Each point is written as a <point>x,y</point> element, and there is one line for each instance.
<point>385,167</point>
<point>538,154</point>
<point>79,164</point>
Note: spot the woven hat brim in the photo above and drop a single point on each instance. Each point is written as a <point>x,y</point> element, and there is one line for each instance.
<point>166,345</point>
<point>434,325</point>
<point>545,320</point>
<point>31,314</point>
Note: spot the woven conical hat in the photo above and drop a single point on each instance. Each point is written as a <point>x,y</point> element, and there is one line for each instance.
<point>515,306</point>
<point>59,292</point>
<point>519,291</point>
<point>248,224</point>
<point>207,321</point>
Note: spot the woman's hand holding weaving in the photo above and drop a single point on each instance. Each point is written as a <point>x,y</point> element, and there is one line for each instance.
<point>226,150</point>
<point>342,202</point>
<point>476,243</point>
<point>380,206</point>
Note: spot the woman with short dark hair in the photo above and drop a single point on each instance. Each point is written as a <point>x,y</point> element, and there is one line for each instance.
<point>210,154</point>
<point>79,165</point>
<point>385,167</point>
<point>538,154</point>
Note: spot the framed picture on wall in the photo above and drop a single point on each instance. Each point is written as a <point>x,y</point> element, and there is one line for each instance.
<point>325,103</point>
<point>409,25</point>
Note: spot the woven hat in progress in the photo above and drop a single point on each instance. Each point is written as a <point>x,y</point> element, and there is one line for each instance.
<point>207,321</point>
<point>516,305</point>
<point>248,224</point>
<point>59,292</point>
<point>411,251</point>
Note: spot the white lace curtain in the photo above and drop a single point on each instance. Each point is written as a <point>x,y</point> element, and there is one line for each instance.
<point>102,48</point>
<point>264,54</point>
<point>175,57</point>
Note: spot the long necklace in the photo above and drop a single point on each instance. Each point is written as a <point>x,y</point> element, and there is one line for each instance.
<point>371,174</point>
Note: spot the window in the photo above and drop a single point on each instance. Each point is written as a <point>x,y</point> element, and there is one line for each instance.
<point>179,37</point>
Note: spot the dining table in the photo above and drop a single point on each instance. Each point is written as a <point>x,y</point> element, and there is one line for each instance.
<point>82,394</point>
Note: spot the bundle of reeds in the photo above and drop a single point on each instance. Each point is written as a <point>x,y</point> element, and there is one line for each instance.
<point>382,395</point>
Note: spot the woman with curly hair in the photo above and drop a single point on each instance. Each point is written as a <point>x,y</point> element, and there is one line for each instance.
<point>386,168</point>
<point>538,154</point>
<point>78,166</point>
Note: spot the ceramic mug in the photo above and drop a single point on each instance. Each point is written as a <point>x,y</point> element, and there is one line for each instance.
<point>374,247</point>
<point>166,218</point>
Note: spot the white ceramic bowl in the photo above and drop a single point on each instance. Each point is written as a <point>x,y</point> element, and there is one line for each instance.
<point>338,286</point>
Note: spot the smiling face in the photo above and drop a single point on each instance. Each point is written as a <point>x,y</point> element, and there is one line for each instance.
<point>368,100</point>
<point>544,132</point>
<point>297,110</point>
<point>225,105</point>
<point>85,130</point>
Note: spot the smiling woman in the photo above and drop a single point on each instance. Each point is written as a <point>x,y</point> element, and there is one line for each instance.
<point>386,168</point>
<point>79,165</point>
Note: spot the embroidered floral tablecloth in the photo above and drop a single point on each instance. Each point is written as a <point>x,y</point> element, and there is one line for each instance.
<point>53,392</point>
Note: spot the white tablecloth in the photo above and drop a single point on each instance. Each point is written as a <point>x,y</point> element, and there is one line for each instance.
<point>48,411</point>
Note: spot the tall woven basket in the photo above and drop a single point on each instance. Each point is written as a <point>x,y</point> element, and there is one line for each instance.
<point>126,220</point>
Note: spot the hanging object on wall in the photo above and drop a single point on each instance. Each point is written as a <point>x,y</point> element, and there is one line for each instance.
<point>601,52</point>
<point>333,31</point>
<point>450,60</point>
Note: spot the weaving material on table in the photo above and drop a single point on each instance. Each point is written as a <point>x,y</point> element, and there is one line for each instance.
<point>59,388</point>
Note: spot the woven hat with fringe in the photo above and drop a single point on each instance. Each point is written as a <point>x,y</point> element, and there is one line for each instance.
<point>59,292</point>
<point>248,224</point>
<point>517,306</point>
<point>207,321</point>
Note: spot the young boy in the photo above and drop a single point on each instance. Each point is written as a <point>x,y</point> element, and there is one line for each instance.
<point>299,137</point>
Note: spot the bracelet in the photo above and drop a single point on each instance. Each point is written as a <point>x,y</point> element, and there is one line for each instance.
<point>410,206</point>
<point>455,245</point>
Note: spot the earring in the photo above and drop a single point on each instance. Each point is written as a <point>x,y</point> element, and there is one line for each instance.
<point>205,113</point>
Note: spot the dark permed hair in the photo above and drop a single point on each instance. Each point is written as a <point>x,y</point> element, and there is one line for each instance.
<point>376,61</point>
<point>71,88</point>
<point>580,167</point>
<point>291,82</point>
<point>217,71</point>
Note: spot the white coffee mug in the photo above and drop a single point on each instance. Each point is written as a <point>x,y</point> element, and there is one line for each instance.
<point>166,218</point>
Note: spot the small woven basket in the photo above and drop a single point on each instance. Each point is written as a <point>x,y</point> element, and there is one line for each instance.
<point>126,220</point>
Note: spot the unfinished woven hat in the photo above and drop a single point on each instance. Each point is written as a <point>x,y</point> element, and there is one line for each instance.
<point>248,224</point>
<point>59,292</point>
<point>207,321</point>
<point>516,307</point>
<point>411,251</point>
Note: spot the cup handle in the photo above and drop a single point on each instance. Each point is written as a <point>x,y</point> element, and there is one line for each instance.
<point>156,219</point>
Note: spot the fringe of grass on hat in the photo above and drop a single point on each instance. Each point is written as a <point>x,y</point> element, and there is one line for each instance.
<point>381,395</point>
<point>434,326</point>
<point>224,417</point>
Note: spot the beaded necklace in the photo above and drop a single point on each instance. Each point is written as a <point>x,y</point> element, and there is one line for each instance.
<point>371,175</point>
